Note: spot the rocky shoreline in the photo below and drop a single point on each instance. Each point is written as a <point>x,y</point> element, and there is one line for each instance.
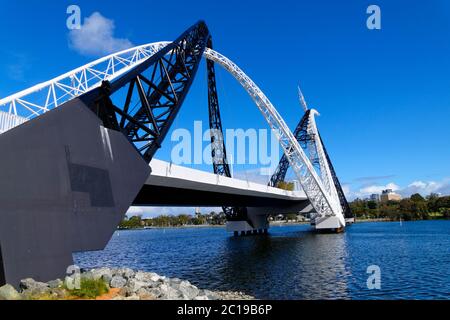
<point>120,284</point>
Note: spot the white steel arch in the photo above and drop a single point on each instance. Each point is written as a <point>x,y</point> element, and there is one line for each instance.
<point>325,204</point>
<point>30,103</point>
<point>45,96</point>
<point>325,171</point>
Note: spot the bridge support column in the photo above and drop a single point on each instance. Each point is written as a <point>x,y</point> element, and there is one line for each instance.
<point>258,218</point>
<point>255,224</point>
<point>328,225</point>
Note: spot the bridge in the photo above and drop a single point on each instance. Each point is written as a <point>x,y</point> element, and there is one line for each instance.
<point>194,188</point>
<point>78,151</point>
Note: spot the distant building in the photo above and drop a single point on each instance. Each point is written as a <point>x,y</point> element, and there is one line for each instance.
<point>390,195</point>
<point>375,197</point>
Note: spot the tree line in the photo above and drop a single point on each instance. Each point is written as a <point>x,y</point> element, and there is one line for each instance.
<point>414,208</point>
<point>166,221</point>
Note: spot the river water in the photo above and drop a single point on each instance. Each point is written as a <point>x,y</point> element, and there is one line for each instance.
<point>292,262</point>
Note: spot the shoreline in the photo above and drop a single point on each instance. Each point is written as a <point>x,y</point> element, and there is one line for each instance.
<point>272,224</point>
<point>115,284</point>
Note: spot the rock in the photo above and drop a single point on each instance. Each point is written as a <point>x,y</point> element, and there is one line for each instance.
<point>127,273</point>
<point>156,277</point>
<point>103,273</point>
<point>211,295</point>
<point>169,293</point>
<point>125,292</point>
<point>232,296</point>
<point>131,285</point>
<point>147,276</point>
<point>58,293</point>
<point>188,291</point>
<point>134,285</point>
<point>141,276</point>
<point>7,292</point>
<point>155,292</point>
<point>31,288</point>
<point>107,278</point>
<point>31,284</point>
<point>175,281</point>
<point>55,284</point>
<point>150,280</point>
<point>117,272</point>
<point>143,294</point>
<point>118,282</point>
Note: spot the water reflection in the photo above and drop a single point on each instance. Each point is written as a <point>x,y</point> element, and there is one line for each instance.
<point>300,264</point>
<point>291,262</point>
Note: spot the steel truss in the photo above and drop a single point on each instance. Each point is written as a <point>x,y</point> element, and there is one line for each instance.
<point>155,90</point>
<point>218,149</point>
<point>322,201</point>
<point>45,96</point>
<point>160,97</point>
<point>306,139</point>
<point>347,211</point>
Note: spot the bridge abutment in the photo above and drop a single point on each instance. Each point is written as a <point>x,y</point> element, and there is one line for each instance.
<point>328,225</point>
<point>65,184</point>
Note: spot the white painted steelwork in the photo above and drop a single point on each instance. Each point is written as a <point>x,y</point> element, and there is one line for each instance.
<point>325,171</point>
<point>166,174</point>
<point>8,121</point>
<point>45,96</point>
<point>41,98</point>
<point>323,202</point>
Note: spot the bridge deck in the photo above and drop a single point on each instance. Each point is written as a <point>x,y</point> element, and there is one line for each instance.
<point>172,185</point>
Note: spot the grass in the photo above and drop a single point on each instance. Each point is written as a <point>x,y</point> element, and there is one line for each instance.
<point>90,289</point>
<point>44,297</point>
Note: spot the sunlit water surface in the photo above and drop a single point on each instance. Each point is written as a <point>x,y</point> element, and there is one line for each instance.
<point>293,263</point>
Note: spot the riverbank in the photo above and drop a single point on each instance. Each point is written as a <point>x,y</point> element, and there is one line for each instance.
<point>208,226</point>
<point>115,284</point>
<point>276,224</point>
<point>203,226</point>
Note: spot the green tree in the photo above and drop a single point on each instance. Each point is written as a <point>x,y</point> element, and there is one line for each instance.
<point>131,223</point>
<point>417,198</point>
<point>183,219</point>
<point>289,186</point>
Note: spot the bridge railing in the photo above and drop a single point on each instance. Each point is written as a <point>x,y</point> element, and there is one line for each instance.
<point>45,96</point>
<point>9,121</point>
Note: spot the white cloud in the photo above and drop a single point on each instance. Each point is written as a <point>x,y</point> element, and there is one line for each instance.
<point>422,187</point>
<point>347,190</point>
<point>427,187</point>
<point>378,189</point>
<point>96,37</point>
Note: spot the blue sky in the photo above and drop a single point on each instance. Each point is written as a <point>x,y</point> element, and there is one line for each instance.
<point>384,95</point>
